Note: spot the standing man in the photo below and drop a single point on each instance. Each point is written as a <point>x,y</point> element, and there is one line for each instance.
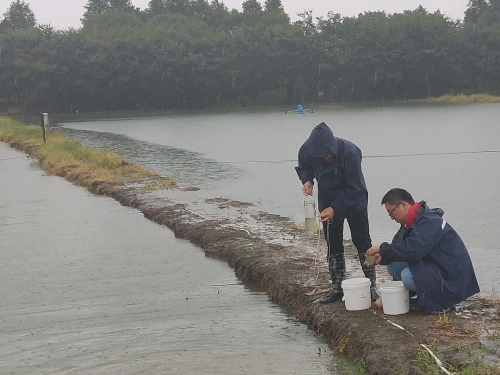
<point>335,164</point>
<point>426,254</point>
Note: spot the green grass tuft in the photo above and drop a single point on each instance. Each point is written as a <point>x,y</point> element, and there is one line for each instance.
<point>63,157</point>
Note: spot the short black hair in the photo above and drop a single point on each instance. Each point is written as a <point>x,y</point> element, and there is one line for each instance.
<point>396,196</point>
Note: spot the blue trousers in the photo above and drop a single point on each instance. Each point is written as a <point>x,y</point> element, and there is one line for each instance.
<point>401,272</point>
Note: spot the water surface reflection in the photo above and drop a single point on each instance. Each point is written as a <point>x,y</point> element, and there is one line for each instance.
<point>189,167</point>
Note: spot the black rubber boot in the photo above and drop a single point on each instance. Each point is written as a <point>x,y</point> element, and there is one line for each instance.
<point>336,267</point>
<point>370,274</point>
<point>333,296</point>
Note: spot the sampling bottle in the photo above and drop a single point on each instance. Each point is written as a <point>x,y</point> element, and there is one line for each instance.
<point>310,215</point>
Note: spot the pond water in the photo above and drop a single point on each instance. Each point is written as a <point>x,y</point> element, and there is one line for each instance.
<point>91,287</point>
<point>446,155</point>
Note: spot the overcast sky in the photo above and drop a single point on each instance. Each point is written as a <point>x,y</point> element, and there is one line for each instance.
<point>62,14</point>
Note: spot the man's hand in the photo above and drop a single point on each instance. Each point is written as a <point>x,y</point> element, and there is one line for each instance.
<point>373,250</point>
<point>307,188</point>
<point>327,214</point>
<point>373,257</point>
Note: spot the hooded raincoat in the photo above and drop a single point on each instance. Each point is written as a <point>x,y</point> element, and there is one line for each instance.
<point>341,184</point>
<point>437,258</point>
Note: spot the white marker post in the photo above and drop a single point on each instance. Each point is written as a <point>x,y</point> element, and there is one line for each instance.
<point>45,123</point>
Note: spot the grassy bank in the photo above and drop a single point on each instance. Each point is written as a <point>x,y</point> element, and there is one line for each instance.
<point>474,98</point>
<point>63,157</point>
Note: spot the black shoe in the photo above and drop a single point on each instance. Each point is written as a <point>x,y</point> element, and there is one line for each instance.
<point>331,297</point>
<point>443,311</point>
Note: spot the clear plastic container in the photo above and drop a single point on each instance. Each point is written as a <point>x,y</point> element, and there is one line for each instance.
<point>310,215</point>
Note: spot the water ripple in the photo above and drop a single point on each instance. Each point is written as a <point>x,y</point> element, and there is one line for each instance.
<point>189,168</point>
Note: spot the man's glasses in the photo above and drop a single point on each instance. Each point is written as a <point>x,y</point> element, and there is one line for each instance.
<point>391,211</point>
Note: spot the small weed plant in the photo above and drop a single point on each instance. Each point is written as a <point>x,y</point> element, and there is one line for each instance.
<point>443,320</point>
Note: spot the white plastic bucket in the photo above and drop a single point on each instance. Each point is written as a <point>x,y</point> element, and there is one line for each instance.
<point>356,293</point>
<point>395,298</point>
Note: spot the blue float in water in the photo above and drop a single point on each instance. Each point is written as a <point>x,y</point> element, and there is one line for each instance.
<point>300,109</point>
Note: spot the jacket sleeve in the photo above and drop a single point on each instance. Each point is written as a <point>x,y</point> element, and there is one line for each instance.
<point>347,199</point>
<point>423,238</point>
<point>305,170</point>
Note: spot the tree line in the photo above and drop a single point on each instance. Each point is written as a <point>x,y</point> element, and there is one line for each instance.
<point>195,54</point>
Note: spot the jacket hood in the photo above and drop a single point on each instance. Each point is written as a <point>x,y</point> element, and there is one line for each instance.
<point>432,211</point>
<point>321,141</point>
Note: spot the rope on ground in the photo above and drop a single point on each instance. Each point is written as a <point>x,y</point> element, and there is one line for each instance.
<point>195,213</point>
<point>436,359</point>
<point>394,324</point>
<point>316,268</point>
<point>230,226</point>
<point>438,362</point>
<point>318,248</point>
<point>222,225</point>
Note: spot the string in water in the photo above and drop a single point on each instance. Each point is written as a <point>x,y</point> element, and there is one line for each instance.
<point>365,157</point>
<point>17,157</point>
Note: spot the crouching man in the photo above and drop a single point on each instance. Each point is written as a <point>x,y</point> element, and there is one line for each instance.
<point>426,254</point>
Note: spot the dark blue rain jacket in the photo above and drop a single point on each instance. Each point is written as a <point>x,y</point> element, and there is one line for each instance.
<point>437,257</point>
<point>341,184</point>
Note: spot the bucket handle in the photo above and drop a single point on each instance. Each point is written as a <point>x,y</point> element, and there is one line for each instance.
<point>345,297</point>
